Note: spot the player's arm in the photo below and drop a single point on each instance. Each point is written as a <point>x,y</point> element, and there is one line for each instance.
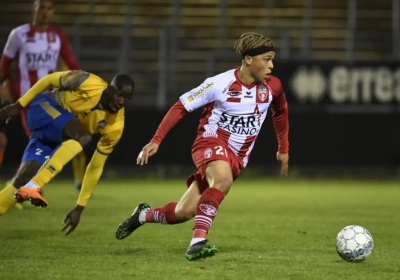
<point>13,45</point>
<point>65,80</point>
<point>5,68</point>
<point>188,102</point>
<point>66,52</point>
<point>10,51</point>
<point>45,83</point>
<point>94,170</point>
<point>280,118</point>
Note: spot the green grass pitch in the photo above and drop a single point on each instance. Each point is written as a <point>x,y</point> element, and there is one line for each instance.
<point>271,229</point>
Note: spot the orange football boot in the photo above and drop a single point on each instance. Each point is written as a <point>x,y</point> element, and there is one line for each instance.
<point>31,194</point>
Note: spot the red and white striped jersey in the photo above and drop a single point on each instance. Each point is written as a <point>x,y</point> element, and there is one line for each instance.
<point>36,54</point>
<point>234,112</point>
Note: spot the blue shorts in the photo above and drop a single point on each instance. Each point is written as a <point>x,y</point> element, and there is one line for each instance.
<point>38,151</point>
<point>46,119</point>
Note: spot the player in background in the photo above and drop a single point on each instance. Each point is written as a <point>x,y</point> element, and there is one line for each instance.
<point>5,99</point>
<point>235,105</point>
<point>36,48</point>
<point>62,122</point>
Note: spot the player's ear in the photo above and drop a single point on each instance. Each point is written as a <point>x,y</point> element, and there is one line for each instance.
<point>247,60</point>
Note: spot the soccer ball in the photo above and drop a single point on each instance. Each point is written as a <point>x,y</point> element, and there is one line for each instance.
<point>354,243</point>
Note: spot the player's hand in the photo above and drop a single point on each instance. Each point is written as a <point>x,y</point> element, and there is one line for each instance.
<point>284,161</point>
<point>72,219</point>
<point>147,151</point>
<point>9,112</point>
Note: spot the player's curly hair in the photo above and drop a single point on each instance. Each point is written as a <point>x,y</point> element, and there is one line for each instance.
<point>251,40</point>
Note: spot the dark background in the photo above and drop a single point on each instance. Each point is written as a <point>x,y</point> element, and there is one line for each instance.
<point>340,124</point>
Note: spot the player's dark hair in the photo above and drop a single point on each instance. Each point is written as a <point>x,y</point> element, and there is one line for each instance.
<point>251,40</point>
<point>123,83</point>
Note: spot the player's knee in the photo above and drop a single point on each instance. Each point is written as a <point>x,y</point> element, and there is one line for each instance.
<point>75,131</point>
<point>84,140</point>
<point>185,212</point>
<point>223,183</point>
<point>219,175</point>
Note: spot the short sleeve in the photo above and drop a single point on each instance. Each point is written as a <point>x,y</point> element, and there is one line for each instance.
<point>108,141</point>
<point>13,44</point>
<point>199,96</point>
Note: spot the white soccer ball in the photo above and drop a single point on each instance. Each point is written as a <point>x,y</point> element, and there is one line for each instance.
<point>354,243</point>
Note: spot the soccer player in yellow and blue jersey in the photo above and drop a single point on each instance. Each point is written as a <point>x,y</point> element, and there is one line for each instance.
<point>62,122</point>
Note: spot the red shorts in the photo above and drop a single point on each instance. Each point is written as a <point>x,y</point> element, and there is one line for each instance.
<point>205,150</point>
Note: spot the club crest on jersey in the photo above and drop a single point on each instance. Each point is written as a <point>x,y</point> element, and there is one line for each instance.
<point>208,153</point>
<point>262,94</point>
<point>102,123</point>
<point>105,142</point>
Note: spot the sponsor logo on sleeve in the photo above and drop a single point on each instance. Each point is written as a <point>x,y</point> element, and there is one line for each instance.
<point>203,89</point>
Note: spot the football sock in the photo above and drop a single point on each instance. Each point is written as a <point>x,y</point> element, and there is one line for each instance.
<point>79,167</point>
<point>206,211</point>
<point>7,199</point>
<point>64,153</point>
<point>1,157</point>
<point>164,215</point>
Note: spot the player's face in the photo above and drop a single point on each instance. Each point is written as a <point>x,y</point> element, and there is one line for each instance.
<point>43,11</point>
<point>261,66</point>
<point>113,101</point>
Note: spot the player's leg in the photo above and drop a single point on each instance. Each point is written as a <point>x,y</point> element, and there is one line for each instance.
<point>79,168</point>
<point>51,123</point>
<point>220,178</point>
<point>34,156</point>
<point>219,167</point>
<point>19,205</point>
<point>171,213</point>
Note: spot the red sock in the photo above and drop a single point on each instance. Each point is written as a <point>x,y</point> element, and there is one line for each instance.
<point>206,211</point>
<point>1,157</point>
<point>164,215</point>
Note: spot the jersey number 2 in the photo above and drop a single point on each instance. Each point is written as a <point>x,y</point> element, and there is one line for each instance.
<point>220,151</point>
<point>39,153</point>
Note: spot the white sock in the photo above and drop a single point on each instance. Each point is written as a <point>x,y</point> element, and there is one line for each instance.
<point>32,185</point>
<point>196,240</point>
<point>142,215</point>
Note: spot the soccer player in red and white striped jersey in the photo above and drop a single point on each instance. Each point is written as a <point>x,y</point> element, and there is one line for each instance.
<point>235,105</point>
